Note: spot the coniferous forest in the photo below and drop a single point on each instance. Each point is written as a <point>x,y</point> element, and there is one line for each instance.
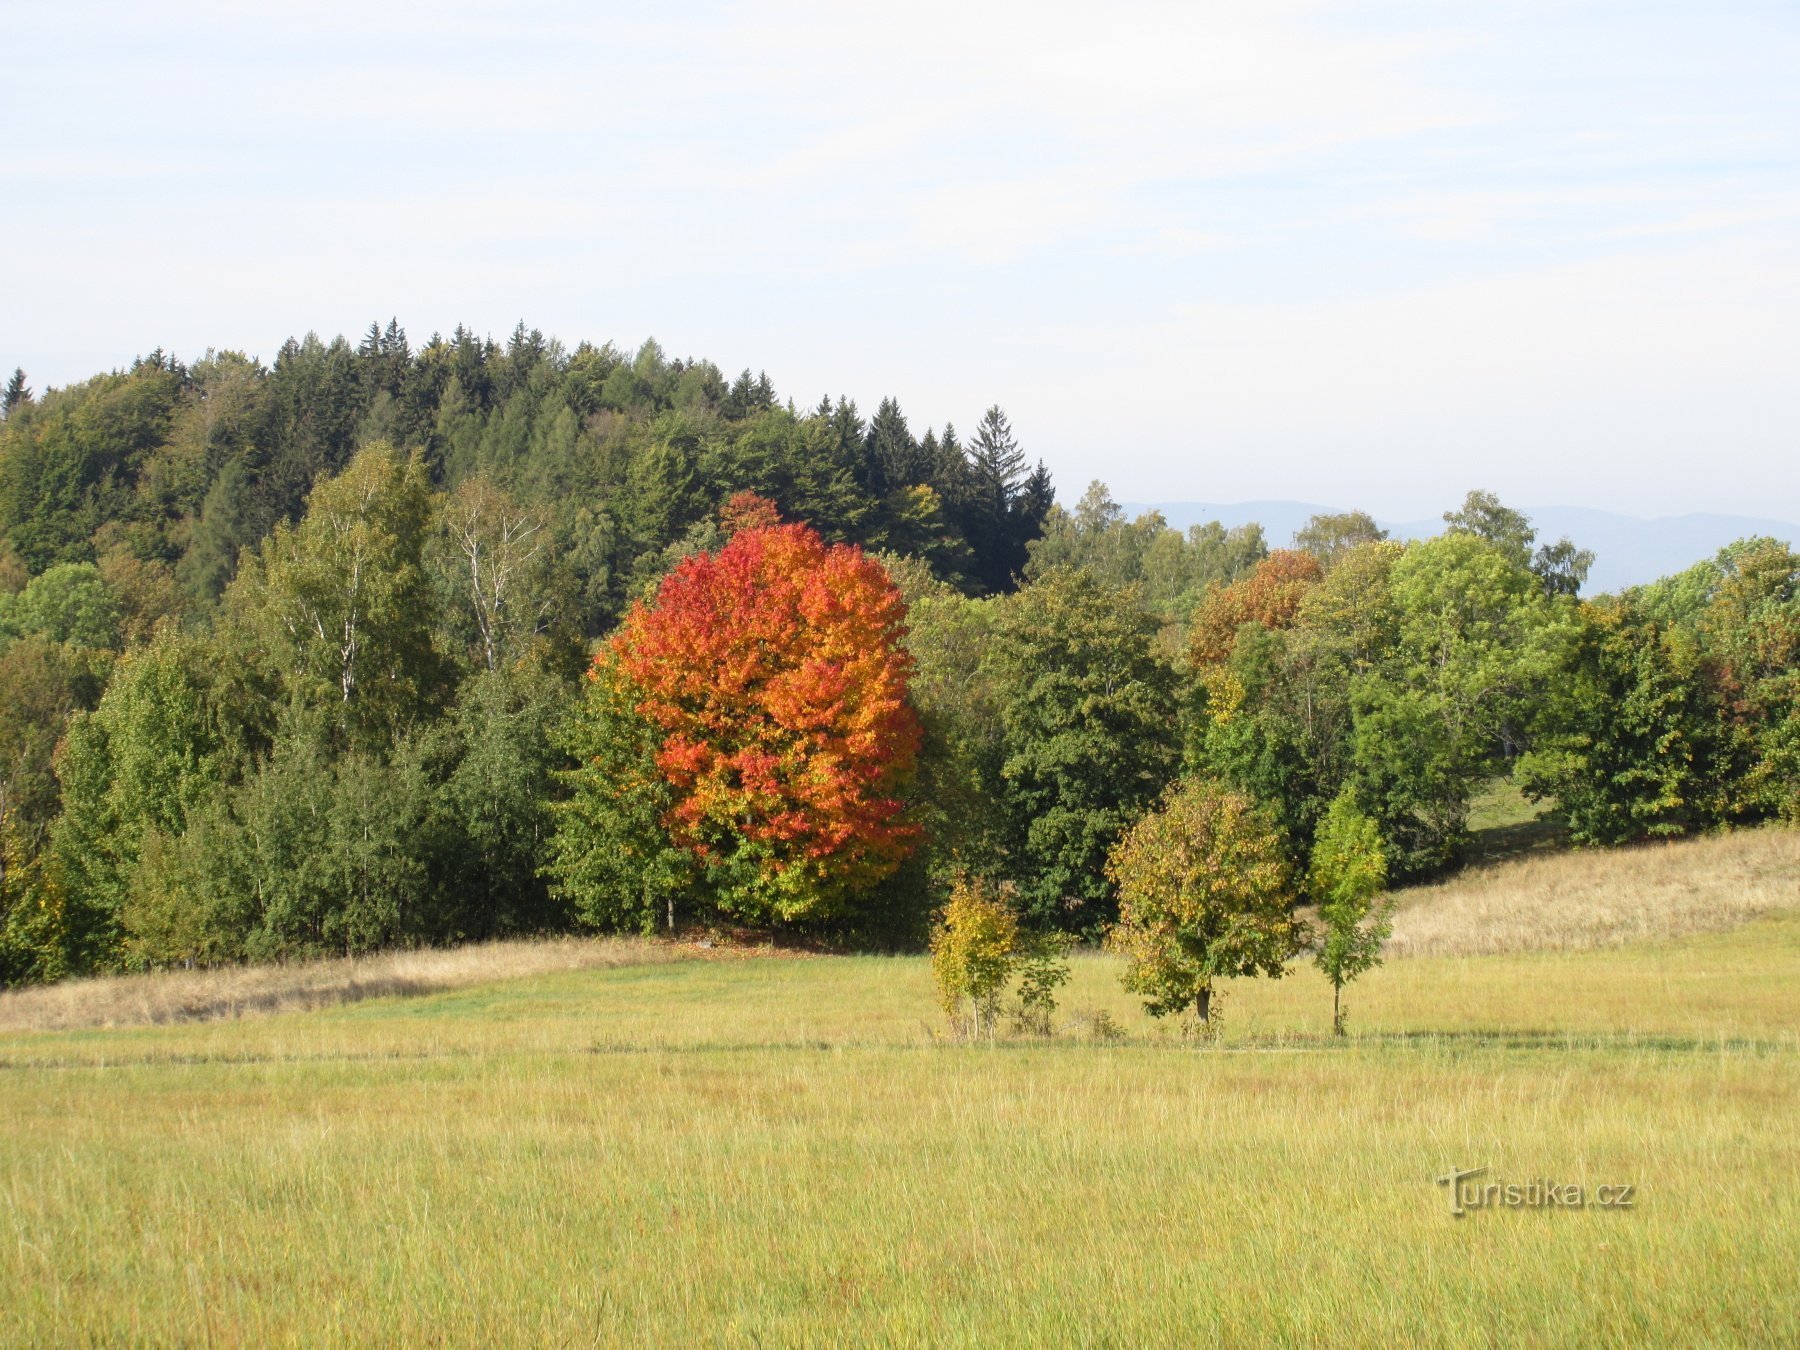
<point>382,645</point>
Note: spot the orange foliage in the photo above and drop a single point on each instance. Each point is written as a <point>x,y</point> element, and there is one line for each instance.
<point>1269,596</point>
<point>775,672</point>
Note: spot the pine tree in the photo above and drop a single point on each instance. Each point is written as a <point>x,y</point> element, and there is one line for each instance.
<point>1005,506</point>
<point>17,392</point>
<point>891,457</point>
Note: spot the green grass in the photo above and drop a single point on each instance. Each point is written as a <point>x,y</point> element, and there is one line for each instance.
<point>780,1151</point>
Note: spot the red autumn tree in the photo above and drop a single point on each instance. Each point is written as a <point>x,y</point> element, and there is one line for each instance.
<point>774,675</point>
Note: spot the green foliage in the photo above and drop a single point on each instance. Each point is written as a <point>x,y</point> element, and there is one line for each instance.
<point>34,939</point>
<point>492,566</point>
<point>1559,567</point>
<point>177,724</point>
<point>1171,570</point>
<point>1330,537</point>
<point>69,603</point>
<point>68,461</point>
<point>1483,516</point>
<point>1751,633</point>
<point>17,393</point>
<point>1205,893</point>
<point>1632,738</point>
<point>1043,968</point>
<point>955,793</point>
<point>1478,645</point>
<point>1086,711</point>
<point>209,540</point>
<point>41,684</point>
<point>1680,708</point>
<point>342,604</point>
<point>14,576</point>
<point>491,811</point>
<point>1347,872</point>
<point>610,855</point>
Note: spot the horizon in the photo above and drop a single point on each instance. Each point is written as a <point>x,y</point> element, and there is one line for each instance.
<point>1376,249</point>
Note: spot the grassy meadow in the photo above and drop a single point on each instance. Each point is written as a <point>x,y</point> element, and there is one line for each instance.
<point>685,1145</point>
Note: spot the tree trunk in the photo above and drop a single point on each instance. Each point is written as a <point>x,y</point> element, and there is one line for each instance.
<point>1337,1017</point>
<point>1203,1005</point>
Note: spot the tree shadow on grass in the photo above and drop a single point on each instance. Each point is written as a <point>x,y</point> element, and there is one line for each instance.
<point>1506,843</point>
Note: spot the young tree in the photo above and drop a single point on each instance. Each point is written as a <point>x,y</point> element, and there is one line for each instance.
<point>1205,894</point>
<point>1349,869</point>
<point>974,949</point>
<point>978,947</point>
<point>611,858</point>
<point>774,674</point>
<point>176,724</point>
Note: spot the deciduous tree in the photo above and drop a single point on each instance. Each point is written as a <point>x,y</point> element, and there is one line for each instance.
<point>1086,716</point>
<point>774,674</point>
<point>1348,871</point>
<point>1205,894</point>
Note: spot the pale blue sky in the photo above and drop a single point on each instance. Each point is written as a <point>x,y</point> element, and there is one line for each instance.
<point>1370,254</point>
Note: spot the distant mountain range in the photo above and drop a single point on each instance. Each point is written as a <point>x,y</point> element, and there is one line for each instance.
<point>1628,549</point>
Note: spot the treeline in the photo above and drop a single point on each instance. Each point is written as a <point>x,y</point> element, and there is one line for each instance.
<point>178,468</point>
<point>295,661</point>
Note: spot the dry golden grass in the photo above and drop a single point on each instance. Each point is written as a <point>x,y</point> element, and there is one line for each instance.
<point>1603,898</point>
<point>242,991</point>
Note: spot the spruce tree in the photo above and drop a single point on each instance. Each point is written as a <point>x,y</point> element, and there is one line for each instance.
<point>17,392</point>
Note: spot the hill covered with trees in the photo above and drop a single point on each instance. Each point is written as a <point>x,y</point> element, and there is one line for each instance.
<point>380,646</point>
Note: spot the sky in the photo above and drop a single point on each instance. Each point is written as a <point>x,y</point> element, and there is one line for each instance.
<point>1366,254</point>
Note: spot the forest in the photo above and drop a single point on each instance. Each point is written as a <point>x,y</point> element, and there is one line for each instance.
<point>387,646</point>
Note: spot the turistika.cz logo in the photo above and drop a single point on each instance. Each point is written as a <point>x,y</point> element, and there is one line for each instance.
<point>1468,1194</point>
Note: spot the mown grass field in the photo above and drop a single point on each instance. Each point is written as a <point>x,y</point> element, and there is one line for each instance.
<point>778,1150</point>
